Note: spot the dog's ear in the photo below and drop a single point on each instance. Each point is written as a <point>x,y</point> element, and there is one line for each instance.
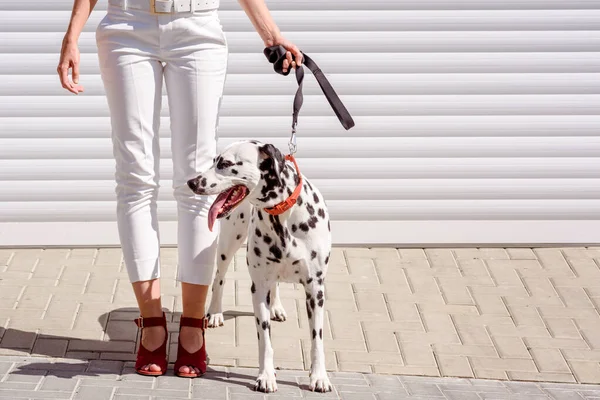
<point>274,162</point>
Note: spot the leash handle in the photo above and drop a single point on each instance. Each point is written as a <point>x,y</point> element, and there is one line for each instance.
<point>276,56</point>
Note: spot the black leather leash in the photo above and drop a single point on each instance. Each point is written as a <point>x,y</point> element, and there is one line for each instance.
<point>276,56</point>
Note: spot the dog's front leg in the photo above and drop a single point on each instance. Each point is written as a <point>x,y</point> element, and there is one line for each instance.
<point>277,310</point>
<point>261,299</point>
<point>233,232</point>
<point>315,301</point>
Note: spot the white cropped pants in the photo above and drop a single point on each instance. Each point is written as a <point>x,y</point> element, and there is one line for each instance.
<point>136,49</point>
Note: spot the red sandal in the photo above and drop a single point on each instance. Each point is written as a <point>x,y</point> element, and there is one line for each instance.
<point>157,356</point>
<point>187,359</point>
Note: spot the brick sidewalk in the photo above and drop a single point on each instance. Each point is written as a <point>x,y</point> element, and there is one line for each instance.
<point>509,314</point>
<point>39,378</point>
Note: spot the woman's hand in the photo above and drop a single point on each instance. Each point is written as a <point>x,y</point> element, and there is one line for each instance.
<point>262,21</point>
<point>293,56</point>
<point>69,59</point>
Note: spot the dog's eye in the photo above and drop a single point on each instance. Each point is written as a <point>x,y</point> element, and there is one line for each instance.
<point>222,164</point>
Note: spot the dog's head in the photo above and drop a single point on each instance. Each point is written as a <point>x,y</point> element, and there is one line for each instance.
<point>247,170</point>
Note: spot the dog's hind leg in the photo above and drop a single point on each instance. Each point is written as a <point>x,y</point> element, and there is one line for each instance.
<point>233,232</point>
<point>277,310</point>
<point>261,299</point>
<point>315,301</point>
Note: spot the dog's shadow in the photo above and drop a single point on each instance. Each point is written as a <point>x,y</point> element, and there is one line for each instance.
<point>126,331</point>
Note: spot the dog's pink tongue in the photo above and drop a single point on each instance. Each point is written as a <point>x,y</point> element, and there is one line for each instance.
<point>215,209</point>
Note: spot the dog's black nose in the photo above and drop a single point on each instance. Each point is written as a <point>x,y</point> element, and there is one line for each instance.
<point>193,184</point>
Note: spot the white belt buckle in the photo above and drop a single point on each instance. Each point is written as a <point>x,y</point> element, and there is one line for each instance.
<point>153,9</point>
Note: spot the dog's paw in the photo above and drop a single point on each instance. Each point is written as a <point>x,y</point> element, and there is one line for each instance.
<point>266,383</point>
<point>319,382</point>
<point>278,313</point>
<point>215,320</point>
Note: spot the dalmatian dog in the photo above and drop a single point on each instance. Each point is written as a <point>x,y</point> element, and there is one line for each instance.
<point>250,178</point>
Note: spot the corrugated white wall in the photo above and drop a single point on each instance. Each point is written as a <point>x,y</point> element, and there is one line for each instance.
<point>477,121</point>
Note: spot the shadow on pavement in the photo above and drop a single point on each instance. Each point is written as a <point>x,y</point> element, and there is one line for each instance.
<point>121,346</point>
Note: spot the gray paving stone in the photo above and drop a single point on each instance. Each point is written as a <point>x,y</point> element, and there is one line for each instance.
<point>30,394</point>
<point>20,386</point>
<point>93,393</point>
<point>423,388</point>
<point>557,394</point>
<point>460,395</point>
<point>523,388</point>
<point>58,383</point>
<point>210,392</point>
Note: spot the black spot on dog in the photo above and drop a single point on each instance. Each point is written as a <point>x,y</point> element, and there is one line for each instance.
<point>309,280</point>
<point>327,259</point>
<point>308,312</point>
<point>309,185</point>
<point>238,237</point>
<point>245,178</point>
<point>329,226</point>
<point>276,261</point>
<point>267,239</point>
<point>234,171</point>
<point>203,182</point>
<point>287,255</point>
<point>227,218</point>
<point>213,185</point>
<point>321,334</point>
<point>312,303</point>
<point>308,296</point>
<point>268,297</point>
<point>257,251</point>
<point>239,163</point>
<point>295,262</point>
<point>259,215</point>
<point>294,243</point>
<point>319,273</point>
<point>223,257</point>
<point>321,303</point>
<point>257,321</point>
<point>257,232</point>
<point>241,215</point>
<point>258,335</point>
<point>310,208</point>
<point>320,294</point>
<point>297,271</point>
<point>313,255</point>
<point>301,281</point>
<point>299,200</point>
<point>305,188</point>
<point>320,281</point>
<point>294,228</point>
<point>303,227</point>
<point>321,213</point>
<point>253,288</point>
<point>314,334</point>
<point>312,222</point>
<point>265,325</point>
<point>315,197</point>
<point>289,191</point>
<point>221,283</point>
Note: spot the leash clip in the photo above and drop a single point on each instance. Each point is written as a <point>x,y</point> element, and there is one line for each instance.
<point>292,143</point>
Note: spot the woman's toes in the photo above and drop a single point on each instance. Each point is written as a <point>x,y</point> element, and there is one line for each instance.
<point>185,370</point>
<point>154,368</point>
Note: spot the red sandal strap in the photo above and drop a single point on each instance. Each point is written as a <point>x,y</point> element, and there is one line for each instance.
<point>201,323</point>
<point>142,322</point>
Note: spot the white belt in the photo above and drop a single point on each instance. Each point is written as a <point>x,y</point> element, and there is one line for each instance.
<point>167,6</point>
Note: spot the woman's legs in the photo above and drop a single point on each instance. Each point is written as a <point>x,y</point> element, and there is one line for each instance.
<point>132,77</point>
<point>194,75</point>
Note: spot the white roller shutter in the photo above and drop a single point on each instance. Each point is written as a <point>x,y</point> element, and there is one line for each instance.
<point>477,121</point>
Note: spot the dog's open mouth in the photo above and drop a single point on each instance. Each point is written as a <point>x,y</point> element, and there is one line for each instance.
<point>225,203</point>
